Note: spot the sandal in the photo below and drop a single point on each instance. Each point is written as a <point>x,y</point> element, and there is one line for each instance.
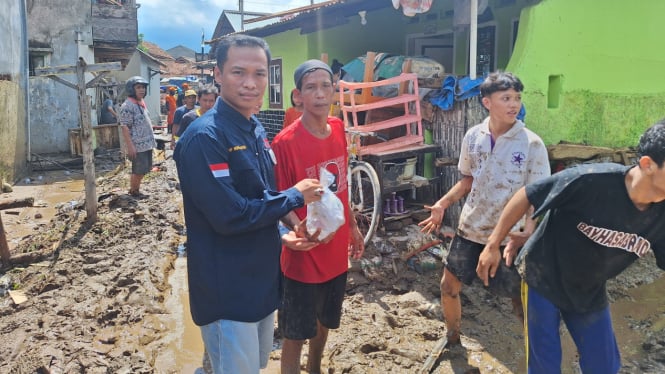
<point>138,195</point>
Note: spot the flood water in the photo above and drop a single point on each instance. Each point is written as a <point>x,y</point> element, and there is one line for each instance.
<point>634,318</point>
<point>187,346</point>
<point>49,190</point>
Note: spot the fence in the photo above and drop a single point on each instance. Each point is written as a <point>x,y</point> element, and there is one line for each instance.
<point>448,129</point>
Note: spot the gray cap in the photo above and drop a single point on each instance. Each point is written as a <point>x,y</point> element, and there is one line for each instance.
<point>308,67</point>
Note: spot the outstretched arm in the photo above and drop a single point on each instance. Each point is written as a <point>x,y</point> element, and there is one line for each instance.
<point>490,257</point>
<point>456,193</point>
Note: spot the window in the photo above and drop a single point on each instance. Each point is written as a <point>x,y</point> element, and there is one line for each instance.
<point>554,88</point>
<point>275,83</point>
<point>38,58</point>
<point>485,51</point>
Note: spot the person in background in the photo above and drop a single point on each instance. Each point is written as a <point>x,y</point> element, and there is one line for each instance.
<point>232,209</point>
<point>497,158</point>
<point>137,132</point>
<point>207,96</point>
<point>179,99</point>
<point>294,112</point>
<point>314,280</point>
<point>109,115</point>
<point>190,104</point>
<point>337,71</point>
<point>597,220</point>
<point>171,106</point>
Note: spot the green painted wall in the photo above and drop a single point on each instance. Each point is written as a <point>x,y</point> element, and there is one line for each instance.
<point>290,47</point>
<point>386,31</point>
<point>343,43</point>
<point>592,71</point>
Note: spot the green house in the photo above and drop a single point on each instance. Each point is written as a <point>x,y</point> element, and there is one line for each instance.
<point>591,68</point>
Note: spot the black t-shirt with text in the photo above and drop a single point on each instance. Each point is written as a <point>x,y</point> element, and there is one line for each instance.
<point>590,233</point>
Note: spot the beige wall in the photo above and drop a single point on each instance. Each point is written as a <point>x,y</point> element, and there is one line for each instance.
<point>13,86</point>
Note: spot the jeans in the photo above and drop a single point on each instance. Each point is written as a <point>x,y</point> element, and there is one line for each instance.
<point>239,347</point>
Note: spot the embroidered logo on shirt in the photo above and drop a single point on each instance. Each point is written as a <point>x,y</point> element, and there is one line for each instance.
<point>518,158</point>
<point>219,170</point>
<point>616,239</point>
<point>237,148</point>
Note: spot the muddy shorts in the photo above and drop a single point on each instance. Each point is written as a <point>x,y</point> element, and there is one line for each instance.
<point>462,261</point>
<point>304,303</point>
<point>142,163</point>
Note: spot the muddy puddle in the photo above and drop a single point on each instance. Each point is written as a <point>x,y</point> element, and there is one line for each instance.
<point>186,345</point>
<point>51,191</point>
<point>391,320</point>
<point>641,314</point>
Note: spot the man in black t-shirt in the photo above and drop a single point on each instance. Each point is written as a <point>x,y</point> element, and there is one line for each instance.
<point>597,220</point>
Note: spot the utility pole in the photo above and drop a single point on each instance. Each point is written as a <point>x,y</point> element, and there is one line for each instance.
<point>80,69</point>
<point>202,53</point>
<point>241,8</point>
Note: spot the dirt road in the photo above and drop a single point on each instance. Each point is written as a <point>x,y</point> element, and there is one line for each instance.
<point>97,298</point>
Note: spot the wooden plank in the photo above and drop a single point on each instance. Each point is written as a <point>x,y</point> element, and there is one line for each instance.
<point>63,81</point>
<point>115,30</point>
<point>21,203</point>
<point>86,144</point>
<point>69,69</point>
<point>433,356</point>
<point>288,12</point>
<point>391,145</point>
<point>93,82</point>
<point>576,151</point>
<point>386,124</point>
<point>368,76</point>
<point>403,152</point>
<point>4,247</point>
<point>386,102</point>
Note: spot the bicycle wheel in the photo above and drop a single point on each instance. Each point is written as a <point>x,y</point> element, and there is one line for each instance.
<point>365,198</point>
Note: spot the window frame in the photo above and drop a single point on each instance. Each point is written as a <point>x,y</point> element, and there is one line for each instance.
<point>276,84</point>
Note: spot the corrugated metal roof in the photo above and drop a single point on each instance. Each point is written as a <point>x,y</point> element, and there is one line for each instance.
<point>318,16</point>
<point>234,19</point>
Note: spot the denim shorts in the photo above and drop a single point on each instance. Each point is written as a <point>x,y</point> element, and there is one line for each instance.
<point>462,261</point>
<point>239,347</point>
<point>142,163</point>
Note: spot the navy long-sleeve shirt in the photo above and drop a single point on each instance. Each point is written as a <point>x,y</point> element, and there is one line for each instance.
<point>225,166</point>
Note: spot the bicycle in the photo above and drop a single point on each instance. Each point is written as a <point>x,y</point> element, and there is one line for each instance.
<point>364,188</point>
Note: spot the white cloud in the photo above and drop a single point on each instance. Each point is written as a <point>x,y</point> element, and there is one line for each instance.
<point>169,23</point>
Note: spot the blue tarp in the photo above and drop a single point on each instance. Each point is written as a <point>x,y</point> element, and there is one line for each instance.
<point>454,89</point>
<point>385,66</point>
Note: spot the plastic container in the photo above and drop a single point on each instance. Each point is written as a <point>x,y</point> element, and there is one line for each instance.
<point>397,172</point>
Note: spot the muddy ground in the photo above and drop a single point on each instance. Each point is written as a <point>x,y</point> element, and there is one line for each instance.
<point>95,295</point>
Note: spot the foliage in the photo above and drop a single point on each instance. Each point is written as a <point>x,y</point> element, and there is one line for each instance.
<point>140,46</point>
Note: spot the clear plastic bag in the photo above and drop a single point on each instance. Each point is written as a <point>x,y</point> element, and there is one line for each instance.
<point>328,213</point>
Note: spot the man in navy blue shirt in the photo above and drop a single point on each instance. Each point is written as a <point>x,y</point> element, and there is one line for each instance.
<point>232,209</point>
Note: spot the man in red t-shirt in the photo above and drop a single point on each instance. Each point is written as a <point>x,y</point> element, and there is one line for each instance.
<point>294,112</point>
<point>314,280</point>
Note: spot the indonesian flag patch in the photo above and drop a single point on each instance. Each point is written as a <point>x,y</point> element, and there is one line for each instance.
<point>220,170</point>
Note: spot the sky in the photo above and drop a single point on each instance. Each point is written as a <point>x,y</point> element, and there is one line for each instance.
<point>169,23</point>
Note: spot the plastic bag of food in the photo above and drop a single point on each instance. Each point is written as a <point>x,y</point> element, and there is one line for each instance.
<point>326,214</point>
